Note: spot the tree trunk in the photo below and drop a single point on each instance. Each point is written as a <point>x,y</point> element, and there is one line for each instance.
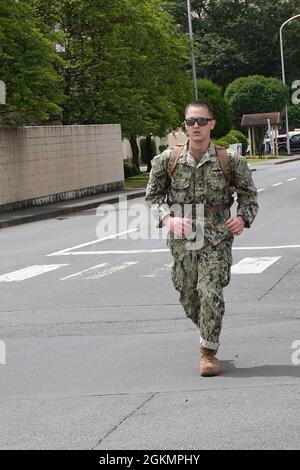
<point>135,151</point>
<point>148,152</point>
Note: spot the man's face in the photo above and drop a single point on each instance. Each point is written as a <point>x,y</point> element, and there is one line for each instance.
<point>199,133</point>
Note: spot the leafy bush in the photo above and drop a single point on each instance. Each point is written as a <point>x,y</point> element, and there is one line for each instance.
<point>162,148</point>
<point>255,94</point>
<point>241,138</point>
<point>130,169</point>
<point>222,143</point>
<point>230,139</point>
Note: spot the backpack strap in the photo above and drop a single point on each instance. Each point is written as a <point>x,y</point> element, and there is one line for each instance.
<point>224,164</point>
<point>174,157</point>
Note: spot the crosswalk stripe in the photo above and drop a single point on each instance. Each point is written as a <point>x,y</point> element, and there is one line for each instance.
<point>29,272</point>
<point>253,265</point>
<point>106,271</point>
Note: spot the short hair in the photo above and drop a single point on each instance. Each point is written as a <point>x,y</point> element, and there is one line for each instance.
<point>204,104</point>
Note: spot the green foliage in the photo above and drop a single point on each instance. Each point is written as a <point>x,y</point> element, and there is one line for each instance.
<point>125,63</point>
<point>144,150</point>
<point>240,138</point>
<point>212,93</point>
<point>162,148</point>
<point>294,116</point>
<point>28,66</point>
<point>255,94</point>
<point>130,169</point>
<point>221,142</point>
<point>230,139</point>
<point>236,38</point>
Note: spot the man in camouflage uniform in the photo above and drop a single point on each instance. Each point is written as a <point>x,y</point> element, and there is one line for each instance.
<point>201,274</point>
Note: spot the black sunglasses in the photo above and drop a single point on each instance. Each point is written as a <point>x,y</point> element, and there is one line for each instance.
<point>199,121</point>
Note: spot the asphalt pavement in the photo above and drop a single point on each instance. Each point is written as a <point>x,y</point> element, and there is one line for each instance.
<point>99,354</point>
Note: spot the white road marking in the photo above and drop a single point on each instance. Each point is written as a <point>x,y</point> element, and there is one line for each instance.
<point>112,252</point>
<point>274,247</point>
<point>166,250</point>
<point>159,272</point>
<point>253,265</point>
<point>102,273</point>
<point>84,271</point>
<point>262,189</point>
<point>29,272</point>
<point>276,184</point>
<point>291,179</point>
<point>115,235</point>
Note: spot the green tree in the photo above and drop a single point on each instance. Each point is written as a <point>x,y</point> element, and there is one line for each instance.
<point>241,37</point>
<point>212,93</point>
<point>125,63</point>
<point>28,64</point>
<point>256,94</point>
<point>294,116</point>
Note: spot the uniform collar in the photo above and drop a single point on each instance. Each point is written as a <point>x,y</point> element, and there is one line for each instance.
<point>209,156</point>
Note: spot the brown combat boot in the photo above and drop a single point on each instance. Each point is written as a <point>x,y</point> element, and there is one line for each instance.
<point>209,364</point>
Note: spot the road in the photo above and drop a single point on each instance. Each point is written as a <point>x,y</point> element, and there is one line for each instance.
<point>99,354</point>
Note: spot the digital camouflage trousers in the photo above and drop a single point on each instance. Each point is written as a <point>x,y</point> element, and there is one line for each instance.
<point>200,276</point>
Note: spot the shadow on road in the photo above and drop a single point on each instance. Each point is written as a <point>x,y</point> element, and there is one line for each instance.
<point>230,369</point>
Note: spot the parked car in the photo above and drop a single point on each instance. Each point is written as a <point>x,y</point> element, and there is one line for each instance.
<point>281,139</point>
<point>294,144</point>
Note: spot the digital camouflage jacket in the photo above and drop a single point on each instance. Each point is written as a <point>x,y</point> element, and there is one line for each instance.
<point>202,182</point>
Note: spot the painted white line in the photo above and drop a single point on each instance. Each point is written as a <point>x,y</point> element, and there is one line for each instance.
<point>80,273</point>
<point>253,265</point>
<point>274,247</point>
<point>29,272</point>
<point>111,270</point>
<point>102,273</point>
<point>111,252</point>
<point>260,190</point>
<point>159,272</point>
<point>276,184</point>
<point>98,240</point>
<point>291,179</point>
<point>166,250</point>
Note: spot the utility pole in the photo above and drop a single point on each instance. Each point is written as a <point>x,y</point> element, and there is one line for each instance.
<point>192,49</point>
<point>288,147</point>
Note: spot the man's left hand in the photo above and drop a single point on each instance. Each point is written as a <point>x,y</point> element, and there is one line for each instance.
<point>235,225</point>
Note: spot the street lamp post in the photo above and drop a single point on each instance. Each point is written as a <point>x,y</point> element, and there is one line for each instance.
<point>283,79</point>
<point>192,49</point>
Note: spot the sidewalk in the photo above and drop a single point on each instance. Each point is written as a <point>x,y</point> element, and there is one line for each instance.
<point>22,216</point>
<point>275,161</point>
<point>59,209</point>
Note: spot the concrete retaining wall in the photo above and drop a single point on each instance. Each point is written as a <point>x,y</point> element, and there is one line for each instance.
<point>39,165</point>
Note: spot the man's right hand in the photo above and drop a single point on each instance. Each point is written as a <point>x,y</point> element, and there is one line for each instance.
<point>178,226</point>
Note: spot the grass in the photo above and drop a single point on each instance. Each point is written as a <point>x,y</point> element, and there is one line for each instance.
<point>138,181</point>
<point>261,160</point>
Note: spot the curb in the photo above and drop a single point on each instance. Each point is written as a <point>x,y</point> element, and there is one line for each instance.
<point>287,161</point>
<point>50,213</point>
